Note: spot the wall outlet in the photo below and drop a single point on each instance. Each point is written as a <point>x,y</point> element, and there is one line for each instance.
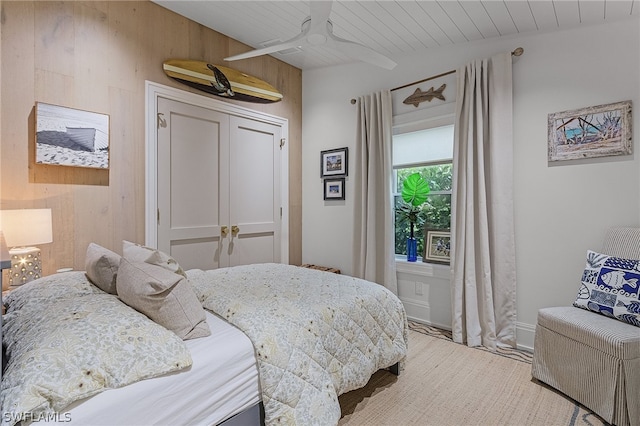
<point>419,289</point>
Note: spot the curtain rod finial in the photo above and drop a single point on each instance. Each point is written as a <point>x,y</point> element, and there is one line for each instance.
<point>518,52</point>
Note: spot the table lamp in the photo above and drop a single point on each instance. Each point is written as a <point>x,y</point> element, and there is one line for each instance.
<point>22,230</point>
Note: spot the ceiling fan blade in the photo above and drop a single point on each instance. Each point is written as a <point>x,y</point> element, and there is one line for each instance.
<point>359,52</point>
<point>292,42</point>
<point>320,11</point>
<point>317,30</point>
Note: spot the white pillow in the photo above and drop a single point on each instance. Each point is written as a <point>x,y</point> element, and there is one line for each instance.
<point>164,296</point>
<point>101,266</point>
<point>139,253</point>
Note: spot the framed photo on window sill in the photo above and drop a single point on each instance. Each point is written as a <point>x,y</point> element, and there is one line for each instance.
<point>334,189</point>
<point>334,162</point>
<point>437,246</point>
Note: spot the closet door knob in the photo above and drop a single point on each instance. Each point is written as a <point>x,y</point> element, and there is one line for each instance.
<point>224,231</point>
<point>235,230</point>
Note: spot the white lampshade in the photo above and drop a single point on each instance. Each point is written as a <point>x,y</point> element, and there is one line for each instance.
<point>26,227</point>
<point>23,228</point>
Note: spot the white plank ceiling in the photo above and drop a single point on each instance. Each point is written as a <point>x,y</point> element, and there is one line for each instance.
<point>396,28</point>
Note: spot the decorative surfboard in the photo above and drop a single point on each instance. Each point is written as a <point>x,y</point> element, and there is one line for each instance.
<point>221,81</point>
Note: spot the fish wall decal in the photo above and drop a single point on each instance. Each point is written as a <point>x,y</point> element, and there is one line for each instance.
<point>419,96</point>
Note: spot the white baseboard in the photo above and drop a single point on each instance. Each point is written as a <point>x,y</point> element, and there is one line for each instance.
<point>421,321</point>
<point>419,311</point>
<point>525,335</point>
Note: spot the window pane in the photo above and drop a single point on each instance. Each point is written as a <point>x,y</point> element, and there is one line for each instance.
<point>438,176</point>
<point>401,175</point>
<point>403,231</point>
<point>435,212</point>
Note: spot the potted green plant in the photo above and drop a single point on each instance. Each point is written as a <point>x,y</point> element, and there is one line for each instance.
<point>414,193</point>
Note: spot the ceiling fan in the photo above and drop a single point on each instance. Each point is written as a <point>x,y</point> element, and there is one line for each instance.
<point>317,30</point>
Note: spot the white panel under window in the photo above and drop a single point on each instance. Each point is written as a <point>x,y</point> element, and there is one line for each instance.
<point>425,146</point>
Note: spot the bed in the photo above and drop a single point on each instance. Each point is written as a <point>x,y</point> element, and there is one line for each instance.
<point>268,343</point>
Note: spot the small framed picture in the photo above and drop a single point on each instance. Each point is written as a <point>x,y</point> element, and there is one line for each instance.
<point>71,137</point>
<point>437,246</point>
<point>334,189</point>
<point>334,162</point>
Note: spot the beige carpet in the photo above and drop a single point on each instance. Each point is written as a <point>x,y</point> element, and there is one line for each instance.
<point>445,383</point>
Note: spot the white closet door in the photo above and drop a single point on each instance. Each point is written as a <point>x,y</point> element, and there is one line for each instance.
<point>193,176</point>
<point>254,196</point>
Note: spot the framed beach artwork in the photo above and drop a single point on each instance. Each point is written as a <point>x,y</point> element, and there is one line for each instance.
<point>71,137</point>
<point>437,246</point>
<point>334,162</point>
<point>596,131</point>
<point>334,189</point>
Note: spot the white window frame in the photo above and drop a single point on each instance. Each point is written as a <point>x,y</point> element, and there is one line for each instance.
<point>412,122</point>
<point>396,194</point>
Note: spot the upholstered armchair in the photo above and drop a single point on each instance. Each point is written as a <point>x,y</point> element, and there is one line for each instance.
<point>594,358</point>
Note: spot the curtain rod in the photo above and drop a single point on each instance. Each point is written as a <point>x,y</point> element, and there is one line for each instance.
<point>517,52</point>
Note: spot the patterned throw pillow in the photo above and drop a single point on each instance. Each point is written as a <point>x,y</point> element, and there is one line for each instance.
<point>611,286</point>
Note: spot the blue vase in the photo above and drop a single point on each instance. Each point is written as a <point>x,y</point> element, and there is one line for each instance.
<point>412,249</point>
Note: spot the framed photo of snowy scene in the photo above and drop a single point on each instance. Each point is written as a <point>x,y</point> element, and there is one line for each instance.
<point>71,137</point>
<point>596,131</point>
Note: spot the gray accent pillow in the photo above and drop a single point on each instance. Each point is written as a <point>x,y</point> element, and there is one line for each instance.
<point>165,297</point>
<point>139,253</point>
<point>101,266</point>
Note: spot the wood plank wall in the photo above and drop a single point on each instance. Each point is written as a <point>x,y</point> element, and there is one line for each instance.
<point>96,56</point>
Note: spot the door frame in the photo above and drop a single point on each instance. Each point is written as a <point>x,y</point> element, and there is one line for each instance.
<point>155,90</point>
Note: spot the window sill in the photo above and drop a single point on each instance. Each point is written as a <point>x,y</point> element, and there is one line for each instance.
<point>422,268</point>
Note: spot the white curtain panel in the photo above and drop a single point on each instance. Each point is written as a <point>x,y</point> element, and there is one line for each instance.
<point>483,247</point>
<point>373,238</point>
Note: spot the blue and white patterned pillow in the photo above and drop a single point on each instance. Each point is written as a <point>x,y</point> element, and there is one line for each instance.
<point>611,286</point>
